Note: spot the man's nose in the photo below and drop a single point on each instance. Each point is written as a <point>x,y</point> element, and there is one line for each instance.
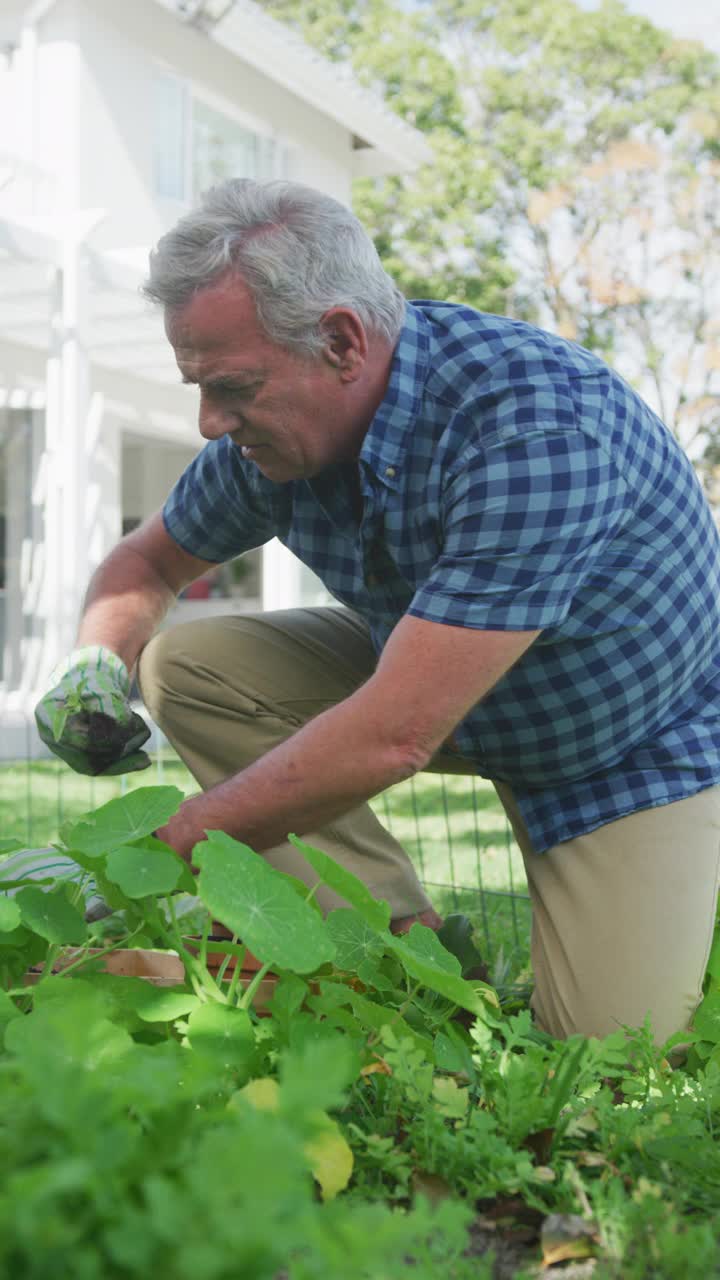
<point>214,420</point>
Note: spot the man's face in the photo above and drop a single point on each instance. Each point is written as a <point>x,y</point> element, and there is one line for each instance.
<point>290,416</point>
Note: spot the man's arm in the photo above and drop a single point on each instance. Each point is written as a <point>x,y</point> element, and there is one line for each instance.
<point>428,677</point>
<point>132,590</point>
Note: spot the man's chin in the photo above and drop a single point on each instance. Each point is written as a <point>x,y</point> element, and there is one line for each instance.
<point>277,470</point>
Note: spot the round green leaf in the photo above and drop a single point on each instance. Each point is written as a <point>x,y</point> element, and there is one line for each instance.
<point>247,895</point>
<point>51,916</point>
<point>226,1033</point>
<point>9,914</point>
<point>141,873</point>
<point>120,821</point>
<point>161,1004</point>
<point>354,939</point>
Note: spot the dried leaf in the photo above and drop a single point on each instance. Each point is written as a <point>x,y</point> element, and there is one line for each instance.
<point>379,1066</point>
<point>566,1236</point>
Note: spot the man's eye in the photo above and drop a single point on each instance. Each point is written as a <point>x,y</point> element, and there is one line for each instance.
<point>234,392</point>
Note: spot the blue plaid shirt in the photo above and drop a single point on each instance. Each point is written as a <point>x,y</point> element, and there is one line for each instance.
<point>512,481</point>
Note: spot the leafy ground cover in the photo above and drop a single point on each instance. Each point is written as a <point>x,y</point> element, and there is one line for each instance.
<point>453,828</point>
<point>385,1116</point>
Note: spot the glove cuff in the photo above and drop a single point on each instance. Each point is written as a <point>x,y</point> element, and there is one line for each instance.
<point>94,657</point>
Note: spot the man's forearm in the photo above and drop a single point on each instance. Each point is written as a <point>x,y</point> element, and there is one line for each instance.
<point>337,761</point>
<point>125,602</point>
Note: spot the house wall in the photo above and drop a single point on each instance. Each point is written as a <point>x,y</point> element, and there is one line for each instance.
<point>98,128</point>
<point>77,134</point>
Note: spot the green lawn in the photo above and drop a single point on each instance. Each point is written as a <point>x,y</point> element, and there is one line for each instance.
<point>453,828</point>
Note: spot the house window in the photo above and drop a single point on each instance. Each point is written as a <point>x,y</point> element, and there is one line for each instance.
<point>170,138</point>
<point>221,149</point>
<point>196,146</point>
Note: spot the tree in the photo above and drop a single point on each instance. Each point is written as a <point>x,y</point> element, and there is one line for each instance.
<point>576,179</point>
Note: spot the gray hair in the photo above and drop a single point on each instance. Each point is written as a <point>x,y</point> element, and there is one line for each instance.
<point>298,251</point>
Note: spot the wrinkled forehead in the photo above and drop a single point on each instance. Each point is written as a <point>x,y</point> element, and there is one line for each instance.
<point>222,313</point>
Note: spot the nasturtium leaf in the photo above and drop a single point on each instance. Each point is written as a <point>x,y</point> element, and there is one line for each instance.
<point>371,974</point>
<point>141,873</point>
<point>16,938</point>
<point>8,1011</point>
<point>9,914</point>
<point>161,1004</point>
<point>330,1159</point>
<point>51,916</point>
<point>427,971</point>
<point>375,910</point>
<point>186,882</point>
<point>354,939</point>
<point>425,943</point>
<point>120,821</point>
<point>225,1032</point>
<point>248,896</point>
<point>8,844</point>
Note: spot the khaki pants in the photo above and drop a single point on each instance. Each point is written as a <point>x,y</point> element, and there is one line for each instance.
<point>622,918</point>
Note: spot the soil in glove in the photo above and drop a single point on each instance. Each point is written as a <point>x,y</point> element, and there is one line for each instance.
<point>86,719</point>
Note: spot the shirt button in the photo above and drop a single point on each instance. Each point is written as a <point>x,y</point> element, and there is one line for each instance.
<point>390,472</point>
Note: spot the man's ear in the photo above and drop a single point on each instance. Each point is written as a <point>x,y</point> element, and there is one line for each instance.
<point>345,344</point>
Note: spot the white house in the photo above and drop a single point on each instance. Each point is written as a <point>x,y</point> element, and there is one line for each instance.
<point>113,116</point>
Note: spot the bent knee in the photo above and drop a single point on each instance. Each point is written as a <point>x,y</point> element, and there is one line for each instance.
<point>169,664</point>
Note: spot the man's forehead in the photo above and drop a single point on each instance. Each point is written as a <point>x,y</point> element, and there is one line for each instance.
<point>213,316</point>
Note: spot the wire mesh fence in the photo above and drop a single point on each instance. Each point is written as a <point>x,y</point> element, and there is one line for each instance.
<point>452,827</point>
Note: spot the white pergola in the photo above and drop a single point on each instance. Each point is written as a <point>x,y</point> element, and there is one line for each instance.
<point>79,343</point>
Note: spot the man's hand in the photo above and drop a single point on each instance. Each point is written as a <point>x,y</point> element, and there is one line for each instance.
<point>86,718</point>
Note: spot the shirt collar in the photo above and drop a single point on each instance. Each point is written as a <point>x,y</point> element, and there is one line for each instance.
<point>385,444</point>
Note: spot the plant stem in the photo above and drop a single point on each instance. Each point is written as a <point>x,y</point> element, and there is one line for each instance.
<point>234,981</point>
<point>252,987</point>
<point>200,979</point>
<point>204,940</point>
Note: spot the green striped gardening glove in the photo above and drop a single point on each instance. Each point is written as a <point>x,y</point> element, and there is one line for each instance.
<point>86,718</point>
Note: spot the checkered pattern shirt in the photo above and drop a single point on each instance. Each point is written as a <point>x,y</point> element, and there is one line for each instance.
<point>512,481</point>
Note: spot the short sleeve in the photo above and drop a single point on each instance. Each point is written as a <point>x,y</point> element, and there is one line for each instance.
<point>524,524</point>
<point>213,511</point>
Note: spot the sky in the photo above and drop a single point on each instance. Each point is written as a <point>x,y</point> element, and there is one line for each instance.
<point>694,19</point>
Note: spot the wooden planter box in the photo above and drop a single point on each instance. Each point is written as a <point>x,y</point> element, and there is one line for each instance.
<point>163,969</point>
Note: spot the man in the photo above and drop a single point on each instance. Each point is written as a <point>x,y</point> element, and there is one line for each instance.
<point>530,574</point>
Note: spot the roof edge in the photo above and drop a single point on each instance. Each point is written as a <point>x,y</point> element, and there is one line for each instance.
<point>273,48</point>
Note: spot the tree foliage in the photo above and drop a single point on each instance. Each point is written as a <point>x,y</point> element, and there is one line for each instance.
<point>575,180</point>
